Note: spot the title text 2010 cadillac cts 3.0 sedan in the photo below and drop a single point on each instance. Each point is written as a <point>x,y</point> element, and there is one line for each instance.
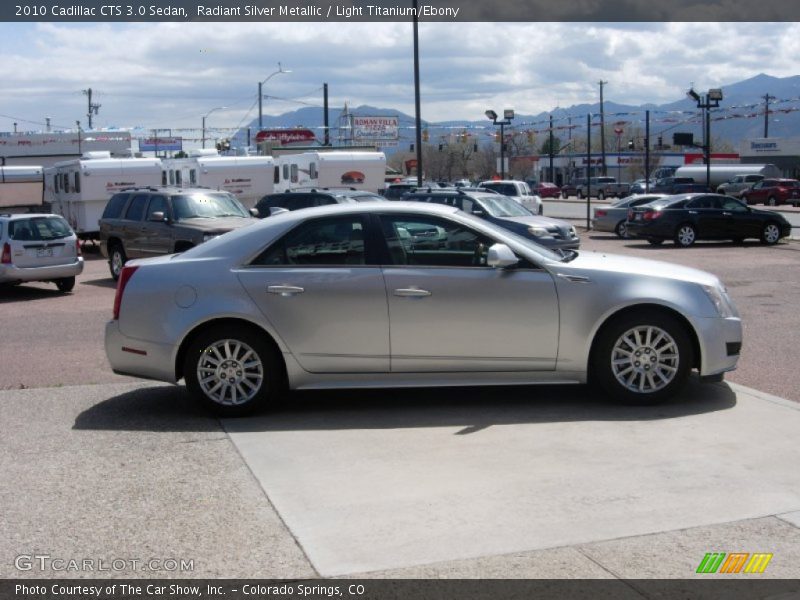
<point>409,294</point>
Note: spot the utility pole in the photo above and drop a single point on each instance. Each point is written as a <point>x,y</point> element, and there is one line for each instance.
<point>94,107</point>
<point>326,126</point>
<point>602,130</point>
<point>767,98</point>
<point>552,177</point>
<point>417,114</point>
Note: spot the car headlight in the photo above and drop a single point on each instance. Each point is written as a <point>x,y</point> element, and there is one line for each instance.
<point>538,231</point>
<point>719,298</point>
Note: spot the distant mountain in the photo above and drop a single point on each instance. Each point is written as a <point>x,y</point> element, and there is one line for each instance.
<point>740,117</point>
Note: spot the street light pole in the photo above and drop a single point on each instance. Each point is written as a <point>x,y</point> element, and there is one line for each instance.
<point>260,94</point>
<point>203,139</point>
<point>508,114</point>
<point>706,103</point>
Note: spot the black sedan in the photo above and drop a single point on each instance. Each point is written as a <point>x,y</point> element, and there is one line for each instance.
<point>687,218</point>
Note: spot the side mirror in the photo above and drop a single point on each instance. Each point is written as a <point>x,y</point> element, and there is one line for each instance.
<point>500,256</point>
<point>254,212</point>
<point>158,217</point>
<point>276,210</point>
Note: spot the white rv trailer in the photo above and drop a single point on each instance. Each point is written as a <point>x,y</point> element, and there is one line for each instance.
<point>331,169</point>
<point>21,189</point>
<point>249,178</point>
<point>79,189</point>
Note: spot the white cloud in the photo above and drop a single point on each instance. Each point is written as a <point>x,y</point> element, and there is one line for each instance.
<point>169,74</point>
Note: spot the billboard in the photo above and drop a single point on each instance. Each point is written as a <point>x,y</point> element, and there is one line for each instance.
<point>160,144</point>
<point>286,136</point>
<point>375,129</point>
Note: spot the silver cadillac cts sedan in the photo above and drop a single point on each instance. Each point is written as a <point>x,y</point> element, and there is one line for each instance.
<point>408,294</point>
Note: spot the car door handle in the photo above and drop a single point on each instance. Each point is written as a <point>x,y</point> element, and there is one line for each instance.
<point>411,293</point>
<point>692,212</point>
<point>727,214</point>
<point>285,290</point>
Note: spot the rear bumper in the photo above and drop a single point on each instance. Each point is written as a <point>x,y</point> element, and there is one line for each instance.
<point>14,274</point>
<point>131,356</point>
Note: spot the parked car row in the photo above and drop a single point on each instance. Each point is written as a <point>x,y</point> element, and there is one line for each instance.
<point>686,218</point>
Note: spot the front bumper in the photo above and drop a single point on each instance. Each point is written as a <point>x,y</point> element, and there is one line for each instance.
<point>13,274</point>
<point>131,356</point>
<point>720,342</point>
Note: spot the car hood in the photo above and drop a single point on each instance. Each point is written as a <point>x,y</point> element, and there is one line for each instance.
<point>534,221</point>
<point>586,262</point>
<point>218,224</point>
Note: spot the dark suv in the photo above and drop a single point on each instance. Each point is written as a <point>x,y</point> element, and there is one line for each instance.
<point>303,198</point>
<point>505,212</point>
<point>143,222</point>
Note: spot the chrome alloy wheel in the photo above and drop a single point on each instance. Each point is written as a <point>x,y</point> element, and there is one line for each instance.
<point>117,262</point>
<point>772,233</point>
<point>686,235</point>
<point>645,359</point>
<point>230,372</point>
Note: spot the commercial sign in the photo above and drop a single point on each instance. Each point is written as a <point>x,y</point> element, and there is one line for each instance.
<point>375,129</point>
<point>286,136</point>
<point>770,146</point>
<point>160,144</point>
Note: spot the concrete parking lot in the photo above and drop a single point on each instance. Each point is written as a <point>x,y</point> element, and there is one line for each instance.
<point>479,482</point>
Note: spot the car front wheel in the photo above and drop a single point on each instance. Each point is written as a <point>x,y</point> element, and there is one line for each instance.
<point>772,201</point>
<point>643,357</point>
<point>232,370</point>
<point>116,260</point>
<point>770,234</point>
<point>686,235</point>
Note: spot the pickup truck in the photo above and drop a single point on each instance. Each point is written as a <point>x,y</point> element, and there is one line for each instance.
<point>738,184</point>
<point>518,190</point>
<point>603,187</point>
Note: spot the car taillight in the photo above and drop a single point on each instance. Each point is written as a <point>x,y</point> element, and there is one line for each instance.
<point>6,259</point>
<point>600,213</point>
<point>651,214</point>
<point>124,277</point>
<point>77,247</point>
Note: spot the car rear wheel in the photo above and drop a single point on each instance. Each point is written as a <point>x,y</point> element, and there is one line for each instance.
<point>621,229</point>
<point>685,235</point>
<point>66,284</point>
<point>643,357</point>
<point>116,260</point>
<point>579,194</point>
<point>770,234</point>
<point>233,370</point>
<point>772,201</point>
<point>601,195</point>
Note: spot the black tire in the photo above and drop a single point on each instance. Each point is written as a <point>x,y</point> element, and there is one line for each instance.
<point>601,195</point>
<point>659,366</point>
<point>621,230</point>
<point>685,235</point>
<point>66,284</point>
<point>116,260</point>
<point>772,201</point>
<point>579,194</point>
<point>541,209</point>
<point>770,233</point>
<point>654,241</point>
<point>259,385</point>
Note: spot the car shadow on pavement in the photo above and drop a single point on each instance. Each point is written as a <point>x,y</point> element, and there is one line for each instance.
<point>169,408</point>
<point>106,282</point>
<point>19,293</point>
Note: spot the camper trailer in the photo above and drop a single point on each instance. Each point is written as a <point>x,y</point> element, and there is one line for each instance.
<point>333,169</point>
<point>21,189</point>
<point>79,189</point>
<point>249,178</point>
<point>725,172</point>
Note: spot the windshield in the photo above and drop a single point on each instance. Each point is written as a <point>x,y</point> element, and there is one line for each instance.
<point>503,206</point>
<point>207,206</point>
<point>545,253</point>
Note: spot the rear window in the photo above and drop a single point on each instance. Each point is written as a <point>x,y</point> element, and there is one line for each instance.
<point>507,189</point>
<point>39,228</point>
<point>115,205</point>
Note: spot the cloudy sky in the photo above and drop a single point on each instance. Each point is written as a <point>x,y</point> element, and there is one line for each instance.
<point>167,75</point>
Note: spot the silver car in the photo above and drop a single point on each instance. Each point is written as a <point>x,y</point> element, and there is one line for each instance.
<point>409,294</point>
<point>39,247</point>
<point>613,217</point>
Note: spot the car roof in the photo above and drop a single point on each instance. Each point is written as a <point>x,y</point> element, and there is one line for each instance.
<point>17,216</point>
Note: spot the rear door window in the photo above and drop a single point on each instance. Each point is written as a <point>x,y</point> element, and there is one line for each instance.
<point>331,241</point>
<point>115,205</point>
<point>135,210</point>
